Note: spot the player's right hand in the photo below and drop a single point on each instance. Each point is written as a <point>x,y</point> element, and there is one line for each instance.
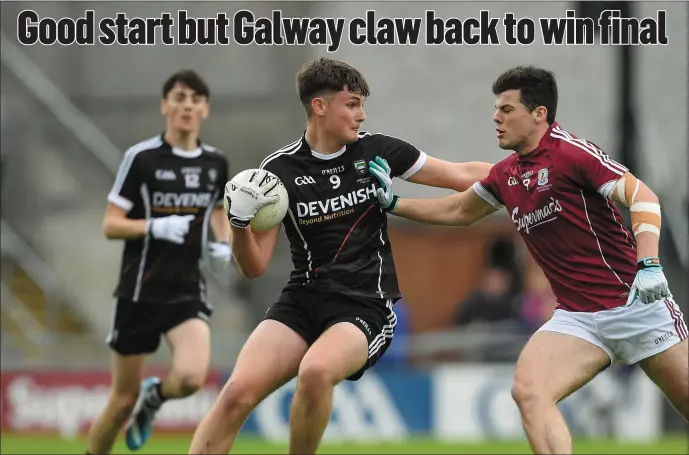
<point>650,284</point>
<point>381,170</point>
<point>171,228</point>
<point>245,198</point>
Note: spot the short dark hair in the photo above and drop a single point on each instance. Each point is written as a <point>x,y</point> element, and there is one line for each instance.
<point>537,86</point>
<point>191,79</point>
<point>325,75</point>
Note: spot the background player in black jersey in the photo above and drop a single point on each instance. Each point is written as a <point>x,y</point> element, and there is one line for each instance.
<point>335,317</point>
<point>163,200</point>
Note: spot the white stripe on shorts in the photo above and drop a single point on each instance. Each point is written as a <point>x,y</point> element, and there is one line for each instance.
<point>385,334</point>
<point>676,314</point>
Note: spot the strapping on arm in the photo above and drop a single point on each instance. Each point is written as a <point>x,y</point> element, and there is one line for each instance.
<point>642,202</point>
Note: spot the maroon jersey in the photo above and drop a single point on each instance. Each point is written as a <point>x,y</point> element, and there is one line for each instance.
<point>555,197</point>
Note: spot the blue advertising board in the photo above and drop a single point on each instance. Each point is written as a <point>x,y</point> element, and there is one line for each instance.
<point>385,405</point>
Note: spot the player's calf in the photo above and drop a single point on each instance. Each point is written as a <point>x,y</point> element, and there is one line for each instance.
<point>218,429</point>
<point>107,425</point>
<point>311,408</point>
<point>189,342</point>
<point>126,373</point>
<point>543,424</point>
<point>269,358</point>
<point>554,363</point>
<point>341,351</point>
<point>121,405</point>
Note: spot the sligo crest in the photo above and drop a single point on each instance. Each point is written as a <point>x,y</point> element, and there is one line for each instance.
<point>360,166</point>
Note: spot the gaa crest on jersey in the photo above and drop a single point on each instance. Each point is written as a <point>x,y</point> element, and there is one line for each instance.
<point>543,177</point>
<point>543,181</point>
<point>360,166</point>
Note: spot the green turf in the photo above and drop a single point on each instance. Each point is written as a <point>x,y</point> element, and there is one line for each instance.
<point>19,444</point>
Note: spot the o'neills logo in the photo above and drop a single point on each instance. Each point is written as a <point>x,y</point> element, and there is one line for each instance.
<point>536,217</point>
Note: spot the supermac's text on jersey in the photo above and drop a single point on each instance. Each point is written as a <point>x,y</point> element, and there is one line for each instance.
<point>244,28</point>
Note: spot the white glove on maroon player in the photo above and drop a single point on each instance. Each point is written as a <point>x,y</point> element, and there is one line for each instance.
<point>171,228</point>
<point>244,200</point>
<point>650,284</point>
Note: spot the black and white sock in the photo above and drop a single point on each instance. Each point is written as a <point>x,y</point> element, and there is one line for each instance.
<point>155,398</point>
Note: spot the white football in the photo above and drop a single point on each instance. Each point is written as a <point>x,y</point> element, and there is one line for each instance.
<point>269,215</point>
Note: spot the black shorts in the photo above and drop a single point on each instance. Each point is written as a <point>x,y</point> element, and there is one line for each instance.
<point>310,312</point>
<point>138,326</point>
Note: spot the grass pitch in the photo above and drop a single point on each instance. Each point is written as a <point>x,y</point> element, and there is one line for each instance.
<point>166,444</point>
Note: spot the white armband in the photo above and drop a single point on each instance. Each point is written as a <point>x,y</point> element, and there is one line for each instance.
<point>646,217</point>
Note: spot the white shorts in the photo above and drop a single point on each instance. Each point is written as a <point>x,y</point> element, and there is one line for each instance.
<point>628,333</point>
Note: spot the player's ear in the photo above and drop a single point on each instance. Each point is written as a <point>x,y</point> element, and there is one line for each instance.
<point>318,106</point>
<point>163,107</point>
<point>206,110</point>
<point>540,114</point>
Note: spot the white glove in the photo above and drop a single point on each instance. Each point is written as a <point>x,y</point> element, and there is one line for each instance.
<point>220,254</point>
<point>244,200</point>
<point>172,228</point>
<point>381,170</point>
<point>650,284</point>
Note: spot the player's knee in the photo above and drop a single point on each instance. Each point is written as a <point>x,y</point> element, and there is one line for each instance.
<point>525,391</point>
<point>315,377</point>
<point>238,399</point>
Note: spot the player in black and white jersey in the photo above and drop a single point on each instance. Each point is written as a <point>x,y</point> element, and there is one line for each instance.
<point>335,316</point>
<point>164,199</point>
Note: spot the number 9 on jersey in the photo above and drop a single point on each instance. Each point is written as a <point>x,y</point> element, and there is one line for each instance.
<point>270,215</point>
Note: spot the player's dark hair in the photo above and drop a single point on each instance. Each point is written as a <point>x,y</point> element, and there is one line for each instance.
<point>537,86</point>
<point>325,75</point>
<point>189,78</point>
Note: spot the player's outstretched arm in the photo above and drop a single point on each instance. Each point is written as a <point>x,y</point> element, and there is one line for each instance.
<point>650,283</point>
<point>455,176</point>
<point>461,209</point>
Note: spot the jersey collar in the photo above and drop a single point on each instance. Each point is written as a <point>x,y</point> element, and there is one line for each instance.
<point>182,153</point>
<point>321,156</point>
<point>543,145</point>
<point>329,156</point>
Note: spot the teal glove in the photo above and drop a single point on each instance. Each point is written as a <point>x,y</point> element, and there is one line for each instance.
<point>381,170</point>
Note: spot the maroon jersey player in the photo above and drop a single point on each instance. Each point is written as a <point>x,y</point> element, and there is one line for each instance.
<point>613,299</point>
<point>573,232</point>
